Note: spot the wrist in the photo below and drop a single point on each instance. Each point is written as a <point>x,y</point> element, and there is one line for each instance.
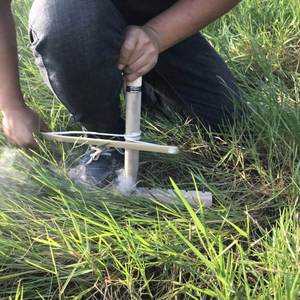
<point>11,100</point>
<point>9,108</point>
<point>154,35</point>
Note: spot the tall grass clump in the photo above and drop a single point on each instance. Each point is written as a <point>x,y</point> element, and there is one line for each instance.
<point>58,241</point>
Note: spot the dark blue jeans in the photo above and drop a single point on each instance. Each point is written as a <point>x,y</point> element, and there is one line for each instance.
<point>76,45</point>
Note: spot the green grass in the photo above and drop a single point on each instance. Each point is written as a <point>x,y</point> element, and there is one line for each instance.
<point>59,242</point>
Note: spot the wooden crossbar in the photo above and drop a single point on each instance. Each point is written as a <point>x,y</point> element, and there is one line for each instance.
<point>139,146</point>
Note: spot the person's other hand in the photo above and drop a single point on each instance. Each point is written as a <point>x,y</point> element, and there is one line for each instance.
<point>139,53</point>
<point>20,124</point>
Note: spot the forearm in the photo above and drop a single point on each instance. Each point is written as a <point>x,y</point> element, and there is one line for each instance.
<point>10,92</point>
<point>187,17</point>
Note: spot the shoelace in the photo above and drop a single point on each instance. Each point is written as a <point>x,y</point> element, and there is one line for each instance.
<point>97,154</point>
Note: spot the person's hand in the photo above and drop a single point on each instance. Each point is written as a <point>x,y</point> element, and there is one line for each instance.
<point>20,124</point>
<point>139,53</point>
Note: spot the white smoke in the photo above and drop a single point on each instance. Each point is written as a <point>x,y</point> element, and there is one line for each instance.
<point>11,175</point>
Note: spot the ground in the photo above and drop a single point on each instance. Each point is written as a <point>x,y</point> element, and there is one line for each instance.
<point>59,242</point>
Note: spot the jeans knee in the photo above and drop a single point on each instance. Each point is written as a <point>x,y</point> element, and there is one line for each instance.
<point>44,20</point>
<point>76,45</point>
<point>63,25</point>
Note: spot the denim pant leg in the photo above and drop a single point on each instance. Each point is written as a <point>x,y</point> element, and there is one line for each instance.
<point>76,45</point>
<point>138,12</point>
<point>194,80</point>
